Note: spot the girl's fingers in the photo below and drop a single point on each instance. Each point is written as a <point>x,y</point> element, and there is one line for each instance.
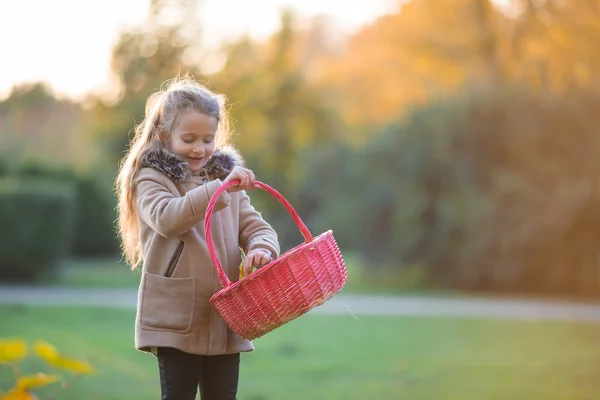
<point>252,263</point>
<point>264,259</point>
<point>248,265</point>
<point>244,178</point>
<point>255,260</point>
<point>248,177</point>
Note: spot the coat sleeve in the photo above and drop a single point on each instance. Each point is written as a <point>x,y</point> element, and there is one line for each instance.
<point>168,214</point>
<point>255,232</point>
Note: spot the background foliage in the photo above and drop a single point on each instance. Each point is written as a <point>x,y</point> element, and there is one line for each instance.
<point>455,138</point>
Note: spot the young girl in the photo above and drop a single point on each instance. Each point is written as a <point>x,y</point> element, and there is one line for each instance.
<point>176,161</point>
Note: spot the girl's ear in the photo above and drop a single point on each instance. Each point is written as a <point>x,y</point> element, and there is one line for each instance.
<point>162,136</point>
<point>159,132</point>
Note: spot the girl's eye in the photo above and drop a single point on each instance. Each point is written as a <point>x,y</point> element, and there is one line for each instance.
<point>188,141</point>
<point>208,141</point>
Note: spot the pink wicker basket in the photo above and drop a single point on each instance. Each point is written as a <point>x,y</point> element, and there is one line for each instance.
<point>299,280</point>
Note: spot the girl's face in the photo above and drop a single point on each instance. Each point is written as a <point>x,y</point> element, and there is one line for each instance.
<point>193,138</point>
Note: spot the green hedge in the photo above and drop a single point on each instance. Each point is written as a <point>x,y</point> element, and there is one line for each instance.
<point>94,222</point>
<point>36,220</point>
<point>95,214</point>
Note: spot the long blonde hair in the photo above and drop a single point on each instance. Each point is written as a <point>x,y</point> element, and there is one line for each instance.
<point>162,110</point>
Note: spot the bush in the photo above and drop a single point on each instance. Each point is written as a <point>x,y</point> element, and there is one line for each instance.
<point>36,217</point>
<point>94,221</point>
<point>488,191</point>
<point>94,233</point>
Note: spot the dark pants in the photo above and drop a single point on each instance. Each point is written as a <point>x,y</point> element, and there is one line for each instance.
<point>182,373</point>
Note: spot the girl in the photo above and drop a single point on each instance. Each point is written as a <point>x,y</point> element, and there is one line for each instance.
<point>176,161</point>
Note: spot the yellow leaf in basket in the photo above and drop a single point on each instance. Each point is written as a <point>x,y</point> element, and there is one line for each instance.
<point>242,274</point>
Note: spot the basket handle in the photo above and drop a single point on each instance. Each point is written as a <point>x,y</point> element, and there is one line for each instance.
<point>225,282</point>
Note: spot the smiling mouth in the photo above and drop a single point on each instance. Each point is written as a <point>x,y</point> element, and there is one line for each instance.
<point>195,160</point>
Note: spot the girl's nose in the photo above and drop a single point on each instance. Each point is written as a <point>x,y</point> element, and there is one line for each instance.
<point>199,150</point>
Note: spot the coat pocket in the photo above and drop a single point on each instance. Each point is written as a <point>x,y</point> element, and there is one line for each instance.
<point>167,303</point>
<point>174,260</point>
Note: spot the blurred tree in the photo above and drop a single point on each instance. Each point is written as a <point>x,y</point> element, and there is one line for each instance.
<point>35,126</point>
<point>297,118</point>
<point>483,189</point>
<point>278,114</point>
<point>507,198</point>
<point>277,111</point>
<point>431,48</point>
<point>426,48</point>
<point>554,43</point>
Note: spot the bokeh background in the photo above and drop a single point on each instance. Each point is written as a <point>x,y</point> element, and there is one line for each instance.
<point>451,145</point>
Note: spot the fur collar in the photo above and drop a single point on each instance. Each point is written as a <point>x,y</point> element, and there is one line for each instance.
<point>218,166</point>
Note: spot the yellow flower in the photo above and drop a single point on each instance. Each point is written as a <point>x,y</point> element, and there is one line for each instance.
<point>46,351</point>
<point>12,349</point>
<point>76,366</point>
<point>36,380</point>
<point>19,394</point>
<point>49,353</point>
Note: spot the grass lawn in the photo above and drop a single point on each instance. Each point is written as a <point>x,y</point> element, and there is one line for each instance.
<point>340,357</point>
<point>112,273</point>
<point>96,273</point>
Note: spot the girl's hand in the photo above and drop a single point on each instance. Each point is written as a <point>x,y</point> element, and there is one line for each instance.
<point>246,177</point>
<point>256,258</point>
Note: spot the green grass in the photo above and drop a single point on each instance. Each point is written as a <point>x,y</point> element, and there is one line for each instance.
<point>111,273</point>
<point>96,273</point>
<point>340,357</point>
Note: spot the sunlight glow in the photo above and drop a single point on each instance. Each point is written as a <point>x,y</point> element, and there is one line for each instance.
<point>68,43</point>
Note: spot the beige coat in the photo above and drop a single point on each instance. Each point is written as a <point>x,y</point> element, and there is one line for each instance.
<point>178,276</point>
